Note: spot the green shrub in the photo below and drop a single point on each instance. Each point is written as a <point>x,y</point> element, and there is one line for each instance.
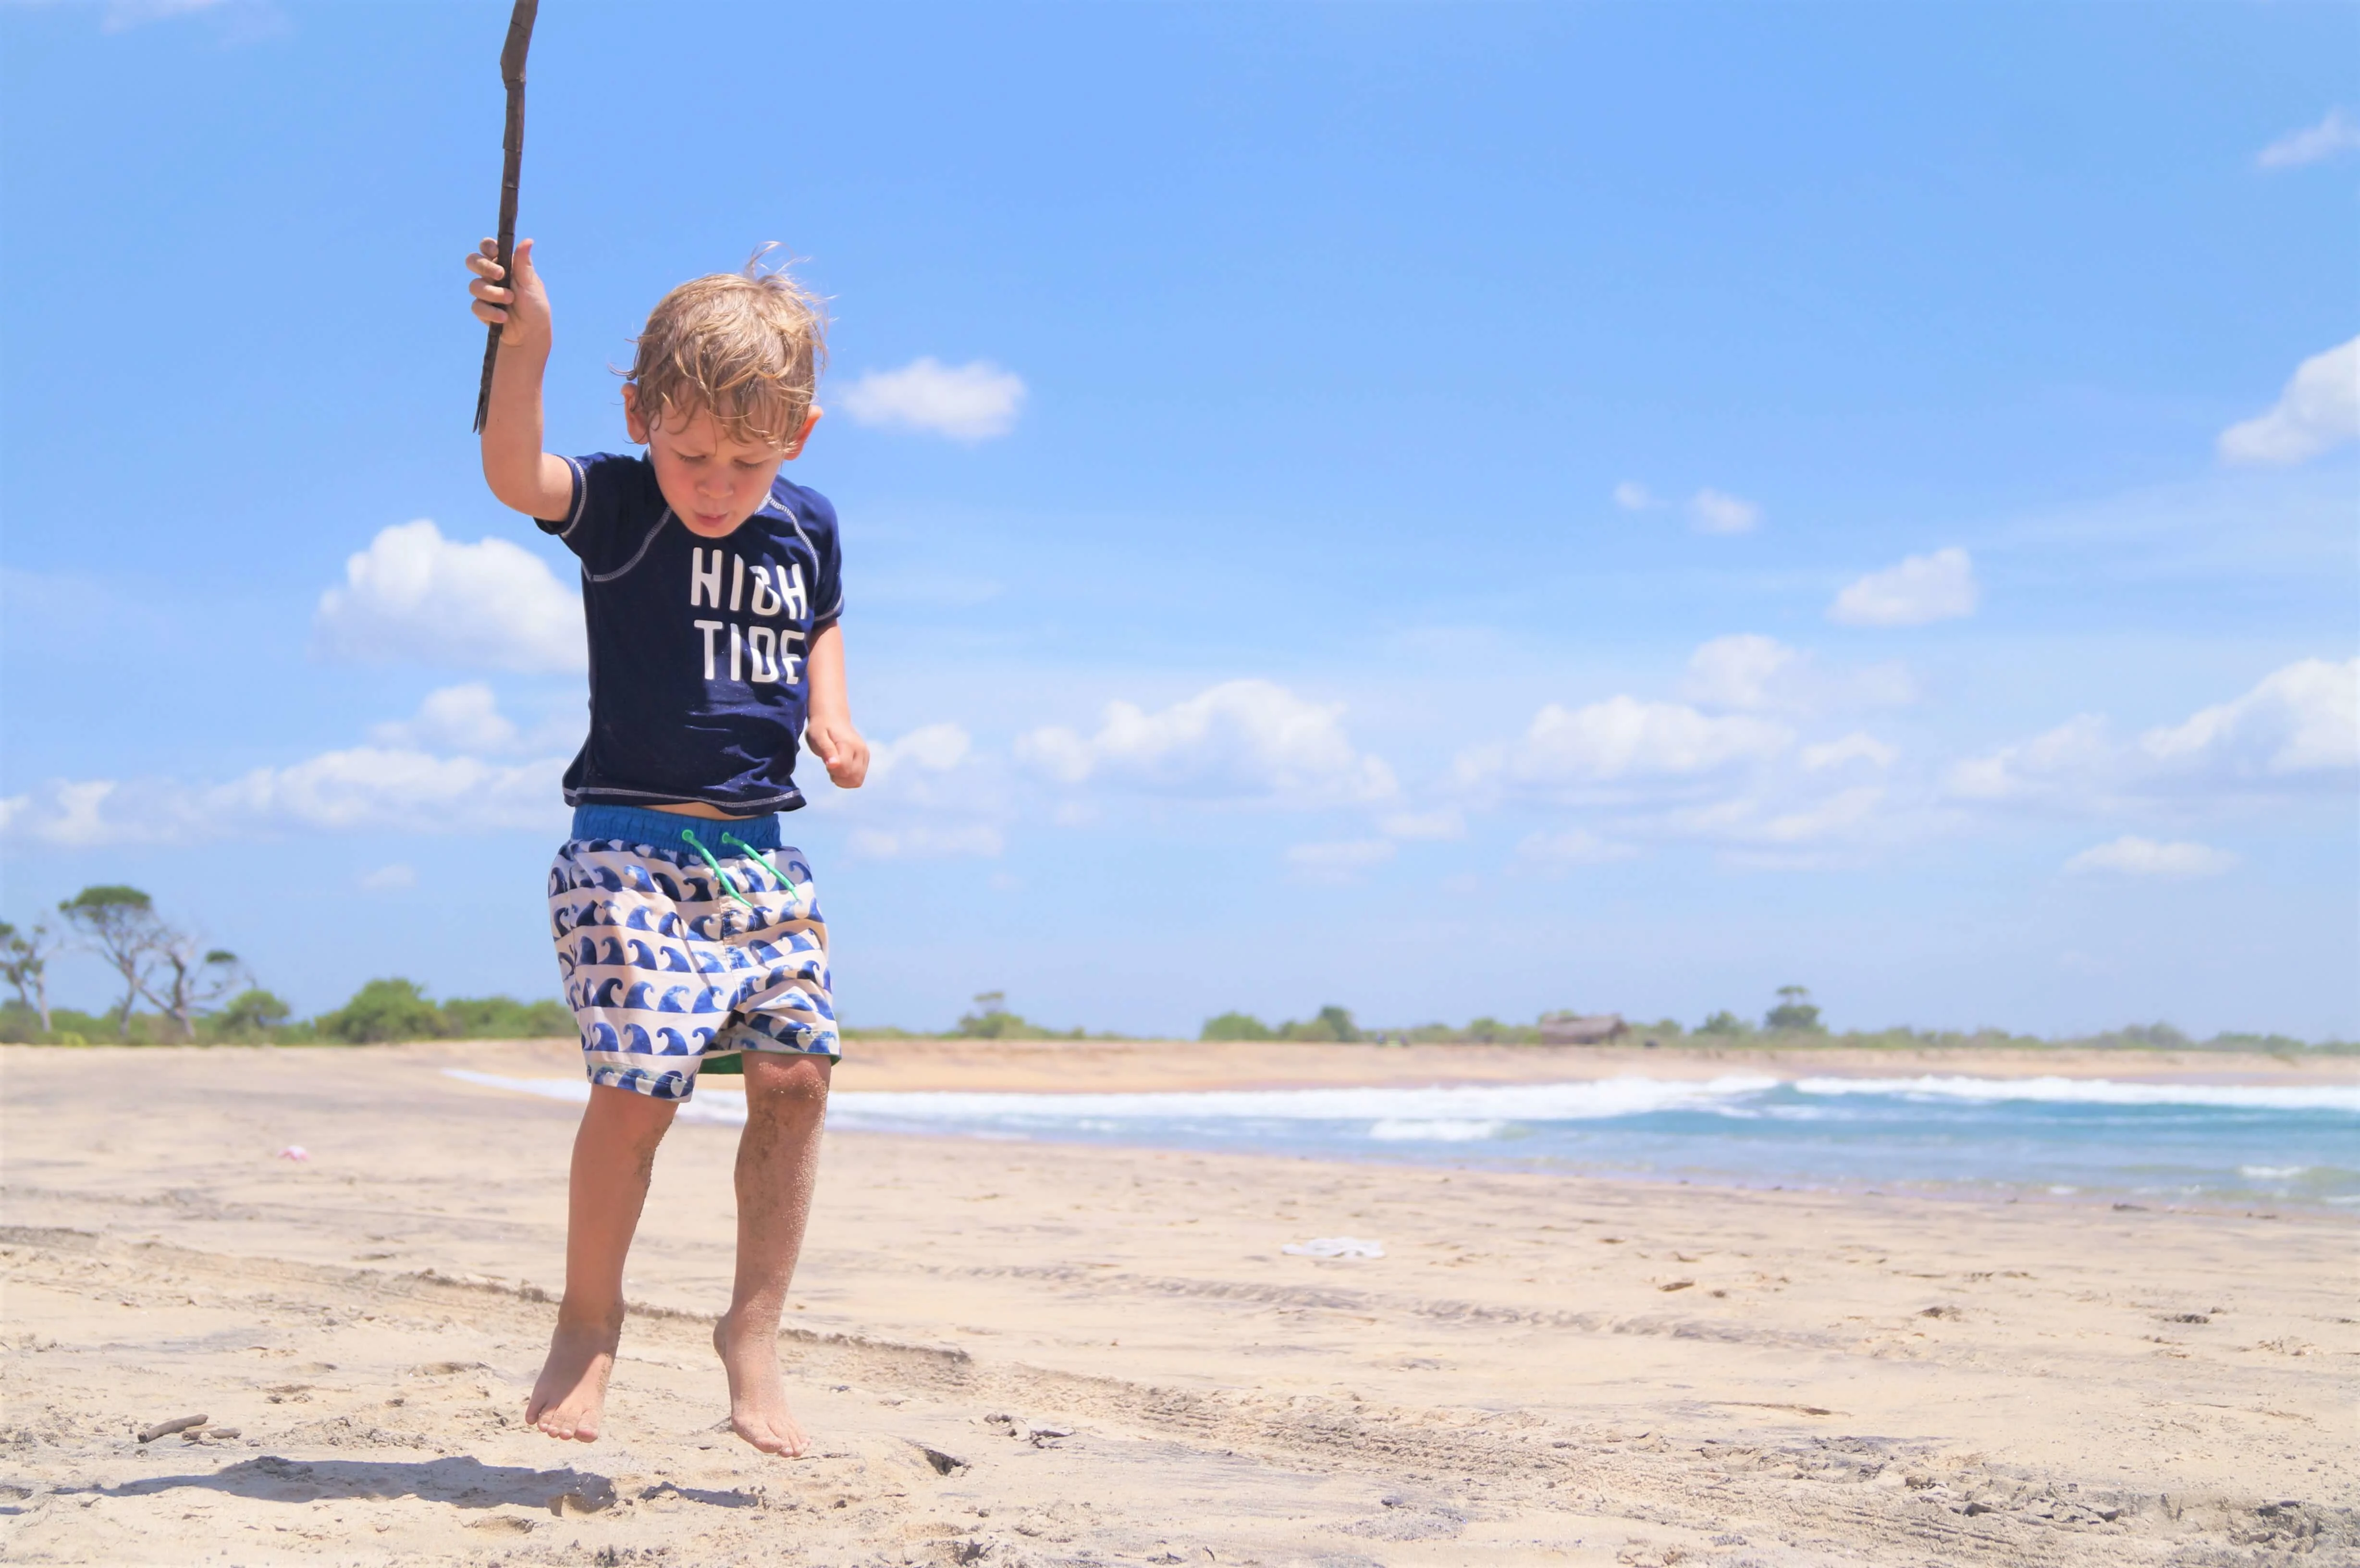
<point>384,1011</point>
<point>1235,1026</point>
<point>505,1017</point>
<point>252,1014</point>
<point>1332,1024</point>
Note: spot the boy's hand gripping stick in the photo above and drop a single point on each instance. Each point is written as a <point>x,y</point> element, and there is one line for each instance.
<point>512,149</point>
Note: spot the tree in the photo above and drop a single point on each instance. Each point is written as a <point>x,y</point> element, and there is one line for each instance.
<point>1722,1022</point>
<point>187,982</point>
<point>1794,1011</point>
<point>1235,1026</point>
<point>25,964</point>
<point>122,924</point>
<point>1331,1023</point>
<point>992,1021</point>
<point>252,1014</point>
<point>384,1011</point>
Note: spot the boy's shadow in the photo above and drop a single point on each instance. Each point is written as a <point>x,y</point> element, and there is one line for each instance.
<point>461,1481</point>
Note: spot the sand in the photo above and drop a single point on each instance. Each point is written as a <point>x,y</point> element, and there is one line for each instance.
<point>1015,1352</point>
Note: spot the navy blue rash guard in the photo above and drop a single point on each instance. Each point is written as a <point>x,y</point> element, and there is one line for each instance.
<point>699,647</point>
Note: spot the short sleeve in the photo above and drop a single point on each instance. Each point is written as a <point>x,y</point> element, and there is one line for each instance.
<point>827,582</point>
<point>607,494</point>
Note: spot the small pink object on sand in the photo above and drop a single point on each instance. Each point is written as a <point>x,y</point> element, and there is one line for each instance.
<point>294,1152</point>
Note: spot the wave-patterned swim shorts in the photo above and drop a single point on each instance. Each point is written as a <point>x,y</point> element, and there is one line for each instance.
<point>682,939</point>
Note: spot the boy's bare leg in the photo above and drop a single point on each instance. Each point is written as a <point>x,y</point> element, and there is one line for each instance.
<point>778,1161</point>
<point>614,1152</point>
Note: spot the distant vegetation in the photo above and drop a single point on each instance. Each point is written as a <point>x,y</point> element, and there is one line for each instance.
<point>198,994</point>
<point>205,995</point>
<point>1331,1023</point>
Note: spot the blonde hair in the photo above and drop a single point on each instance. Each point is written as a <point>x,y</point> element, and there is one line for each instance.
<point>746,345</point>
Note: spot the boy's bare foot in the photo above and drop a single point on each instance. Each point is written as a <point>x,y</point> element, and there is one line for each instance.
<point>571,1394</point>
<point>758,1394</point>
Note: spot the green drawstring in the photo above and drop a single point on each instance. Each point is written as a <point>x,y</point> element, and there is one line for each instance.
<point>727,882</point>
<point>786,883</point>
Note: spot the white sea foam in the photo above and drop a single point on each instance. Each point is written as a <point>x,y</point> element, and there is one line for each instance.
<point>1445,1114</point>
<point>2100,1092</point>
<point>2271,1172</point>
<point>1400,1131</point>
<point>1469,1112</point>
<point>1466,1103</point>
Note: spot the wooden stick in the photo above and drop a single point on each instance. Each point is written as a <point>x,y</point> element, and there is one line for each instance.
<point>512,149</point>
<point>165,1429</point>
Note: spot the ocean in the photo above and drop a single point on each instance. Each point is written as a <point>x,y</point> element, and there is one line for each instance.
<point>2154,1143</point>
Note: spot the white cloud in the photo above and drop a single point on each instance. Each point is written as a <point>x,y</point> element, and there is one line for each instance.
<point>1829,816</point>
<point>372,788</point>
<point>1854,748</point>
<point>1758,674</point>
<point>1239,740</point>
<point>2131,856</point>
<point>418,597</point>
<point>968,402</point>
<point>456,718</point>
<point>929,749</point>
<point>1560,851</point>
<point>2335,134</point>
<point>2297,729</point>
<point>1746,820</point>
<point>1446,823</point>
<point>1621,738</point>
<point>2319,409</point>
<point>63,813</point>
<point>2304,718</point>
<point>929,795</point>
<point>1739,671</point>
<point>1339,861</point>
<point>389,878</point>
<point>364,788</point>
<point>928,842</point>
<point>1633,497</point>
<point>1717,512</point>
<point>2066,759</point>
<point>1921,590</point>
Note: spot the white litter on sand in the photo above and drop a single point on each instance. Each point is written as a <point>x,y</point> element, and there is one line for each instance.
<point>1335,1246</point>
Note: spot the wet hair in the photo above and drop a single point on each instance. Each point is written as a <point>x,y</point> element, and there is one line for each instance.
<point>746,345</point>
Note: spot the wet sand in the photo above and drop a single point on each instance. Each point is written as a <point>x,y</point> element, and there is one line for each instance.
<point>1016,1353</point>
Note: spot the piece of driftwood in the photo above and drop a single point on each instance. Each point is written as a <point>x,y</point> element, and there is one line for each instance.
<point>512,165</point>
<point>165,1429</point>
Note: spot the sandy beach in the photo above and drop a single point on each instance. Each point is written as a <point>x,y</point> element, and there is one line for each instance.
<point>1037,1354</point>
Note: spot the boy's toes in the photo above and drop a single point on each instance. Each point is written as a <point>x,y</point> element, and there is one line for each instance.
<point>789,1443</point>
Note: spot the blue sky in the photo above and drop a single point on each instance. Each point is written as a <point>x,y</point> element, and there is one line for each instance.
<point>1446,509</point>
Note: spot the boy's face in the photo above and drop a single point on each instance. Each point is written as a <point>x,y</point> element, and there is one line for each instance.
<point>712,482</point>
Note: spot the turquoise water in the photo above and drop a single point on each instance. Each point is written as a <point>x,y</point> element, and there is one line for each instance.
<point>2137,1142</point>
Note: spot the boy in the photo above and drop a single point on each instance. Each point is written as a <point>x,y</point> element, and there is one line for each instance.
<point>685,931</point>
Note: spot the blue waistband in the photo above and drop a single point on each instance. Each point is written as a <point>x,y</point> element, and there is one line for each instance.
<point>635,825</point>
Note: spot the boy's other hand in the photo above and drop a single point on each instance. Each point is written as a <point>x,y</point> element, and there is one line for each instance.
<point>839,745</point>
<point>519,306</point>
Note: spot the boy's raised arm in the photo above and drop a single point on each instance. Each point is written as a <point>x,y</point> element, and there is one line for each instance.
<point>521,475</point>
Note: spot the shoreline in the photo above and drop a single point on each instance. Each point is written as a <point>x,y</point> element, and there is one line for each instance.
<point>1072,1066</point>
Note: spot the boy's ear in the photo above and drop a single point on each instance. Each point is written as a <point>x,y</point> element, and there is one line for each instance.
<point>794,447</point>
<point>635,424</point>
